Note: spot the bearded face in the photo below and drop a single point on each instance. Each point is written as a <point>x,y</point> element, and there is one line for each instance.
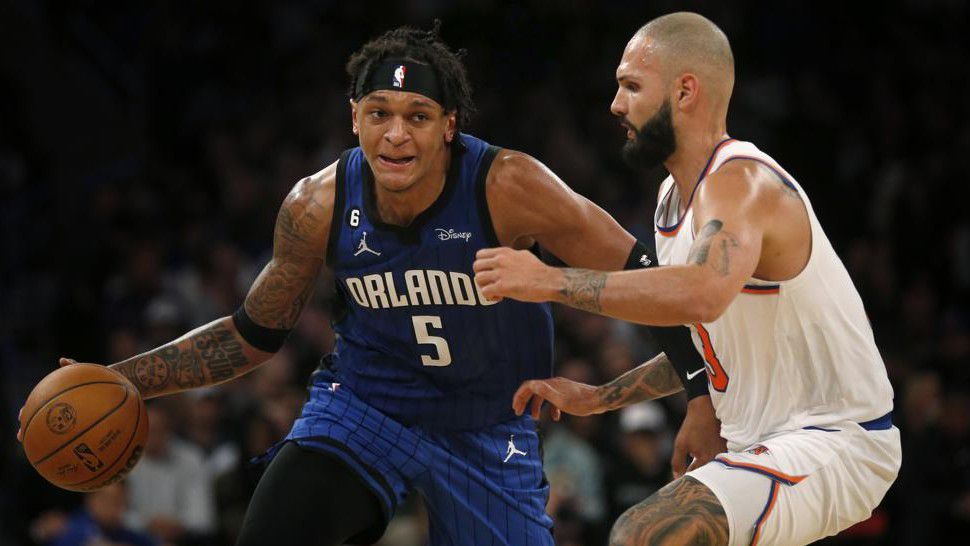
<point>652,143</point>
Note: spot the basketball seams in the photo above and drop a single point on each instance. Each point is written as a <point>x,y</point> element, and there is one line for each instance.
<point>85,430</point>
<point>55,395</point>
<point>121,455</point>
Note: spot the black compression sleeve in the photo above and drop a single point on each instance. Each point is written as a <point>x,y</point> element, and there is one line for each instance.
<point>265,339</point>
<point>674,341</point>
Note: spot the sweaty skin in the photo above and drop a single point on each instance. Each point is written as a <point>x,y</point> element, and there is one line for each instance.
<point>405,138</point>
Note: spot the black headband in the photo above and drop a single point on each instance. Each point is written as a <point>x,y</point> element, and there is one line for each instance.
<point>401,75</point>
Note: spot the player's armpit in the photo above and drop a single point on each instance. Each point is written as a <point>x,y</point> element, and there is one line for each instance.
<point>281,291</point>
<point>528,202</point>
<point>685,511</point>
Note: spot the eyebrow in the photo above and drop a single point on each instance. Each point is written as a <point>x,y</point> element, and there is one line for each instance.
<point>414,102</point>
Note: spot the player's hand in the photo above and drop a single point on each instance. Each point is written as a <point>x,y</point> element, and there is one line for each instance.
<point>563,395</point>
<point>20,416</point>
<point>699,437</point>
<point>505,273</point>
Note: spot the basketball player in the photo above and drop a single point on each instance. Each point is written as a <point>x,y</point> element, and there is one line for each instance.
<point>417,394</point>
<point>795,376</point>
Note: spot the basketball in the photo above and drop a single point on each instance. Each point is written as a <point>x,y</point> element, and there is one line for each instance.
<point>84,427</point>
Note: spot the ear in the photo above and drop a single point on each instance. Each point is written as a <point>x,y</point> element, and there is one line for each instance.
<point>686,90</point>
<point>353,117</point>
<point>451,122</point>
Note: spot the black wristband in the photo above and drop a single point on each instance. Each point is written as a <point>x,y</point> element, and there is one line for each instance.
<point>641,256</point>
<point>265,339</point>
<point>676,343</point>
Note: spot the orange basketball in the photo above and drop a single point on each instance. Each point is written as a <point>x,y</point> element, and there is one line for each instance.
<point>84,427</point>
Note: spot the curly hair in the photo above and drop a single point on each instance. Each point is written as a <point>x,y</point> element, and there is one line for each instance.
<point>422,46</point>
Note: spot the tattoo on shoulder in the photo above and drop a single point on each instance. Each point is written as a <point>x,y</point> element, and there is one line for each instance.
<point>713,235</point>
<point>582,289</point>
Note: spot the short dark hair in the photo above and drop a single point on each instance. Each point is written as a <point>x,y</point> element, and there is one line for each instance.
<point>422,46</point>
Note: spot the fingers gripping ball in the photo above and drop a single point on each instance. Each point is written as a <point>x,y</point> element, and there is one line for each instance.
<point>84,427</point>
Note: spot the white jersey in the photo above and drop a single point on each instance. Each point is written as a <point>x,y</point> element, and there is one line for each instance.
<point>784,355</point>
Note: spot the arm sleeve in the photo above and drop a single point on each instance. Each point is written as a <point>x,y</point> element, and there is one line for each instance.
<point>674,341</point>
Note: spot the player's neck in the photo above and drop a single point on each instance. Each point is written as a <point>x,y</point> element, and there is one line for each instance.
<point>400,208</point>
<point>694,149</point>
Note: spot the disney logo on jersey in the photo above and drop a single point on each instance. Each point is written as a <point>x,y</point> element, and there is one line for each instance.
<point>449,234</point>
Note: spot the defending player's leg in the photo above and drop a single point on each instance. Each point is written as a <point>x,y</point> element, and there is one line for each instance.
<point>684,512</point>
<point>310,498</point>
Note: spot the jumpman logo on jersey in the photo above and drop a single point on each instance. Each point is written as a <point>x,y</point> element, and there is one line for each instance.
<point>512,450</point>
<point>362,247</point>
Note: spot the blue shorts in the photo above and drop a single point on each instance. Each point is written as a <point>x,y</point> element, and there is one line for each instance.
<point>481,487</point>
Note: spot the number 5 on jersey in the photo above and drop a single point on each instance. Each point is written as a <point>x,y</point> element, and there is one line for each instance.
<point>439,344</point>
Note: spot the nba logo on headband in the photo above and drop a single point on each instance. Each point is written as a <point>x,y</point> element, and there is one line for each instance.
<point>399,77</point>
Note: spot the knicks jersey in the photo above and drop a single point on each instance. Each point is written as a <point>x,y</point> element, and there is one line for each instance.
<point>784,355</point>
<point>417,340</point>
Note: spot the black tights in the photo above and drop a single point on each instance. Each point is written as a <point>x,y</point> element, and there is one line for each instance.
<point>309,498</point>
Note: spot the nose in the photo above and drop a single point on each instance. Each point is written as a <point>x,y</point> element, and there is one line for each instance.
<point>397,133</point>
<point>618,106</point>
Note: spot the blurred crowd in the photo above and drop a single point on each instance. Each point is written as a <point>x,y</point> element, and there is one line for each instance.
<point>144,151</point>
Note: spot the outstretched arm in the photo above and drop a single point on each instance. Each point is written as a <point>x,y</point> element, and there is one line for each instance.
<point>216,352</point>
<point>653,379</point>
<point>582,234</point>
<point>730,215</point>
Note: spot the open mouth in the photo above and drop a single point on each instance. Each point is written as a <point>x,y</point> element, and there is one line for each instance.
<point>630,133</point>
<point>396,161</point>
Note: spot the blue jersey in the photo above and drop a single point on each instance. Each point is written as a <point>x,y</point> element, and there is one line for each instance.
<point>416,339</point>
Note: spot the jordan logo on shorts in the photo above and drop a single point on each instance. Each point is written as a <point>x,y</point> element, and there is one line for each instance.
<point>512,450</point>
<point>362,247</point>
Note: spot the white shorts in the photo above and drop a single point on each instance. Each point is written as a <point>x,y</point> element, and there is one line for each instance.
<point>799,487</point>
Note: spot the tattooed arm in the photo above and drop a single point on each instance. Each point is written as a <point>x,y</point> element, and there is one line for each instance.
<point>733,211</point>
<point>653,379</point>
<point>216,352</point>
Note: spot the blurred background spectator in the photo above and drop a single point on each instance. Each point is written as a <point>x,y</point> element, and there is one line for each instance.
<point>145,148</point>
<point>99,522</point>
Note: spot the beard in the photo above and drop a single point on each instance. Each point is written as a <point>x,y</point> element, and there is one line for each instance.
<point>653,143</point>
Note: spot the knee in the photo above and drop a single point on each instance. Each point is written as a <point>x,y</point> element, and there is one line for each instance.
<point>670,530</point>
<point>623,531</point>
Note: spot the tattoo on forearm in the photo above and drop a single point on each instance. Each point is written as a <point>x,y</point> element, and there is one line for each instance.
<point>653,379</point>
<point>701,249</point>
<point>582,289</point>
<point>210,355</point>
<point>685,511</point>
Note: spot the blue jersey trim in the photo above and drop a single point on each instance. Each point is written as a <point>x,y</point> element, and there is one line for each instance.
<point>784,179</point>
<point>336,218</point>
<point>882,423</point>
<point>483,211</point>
